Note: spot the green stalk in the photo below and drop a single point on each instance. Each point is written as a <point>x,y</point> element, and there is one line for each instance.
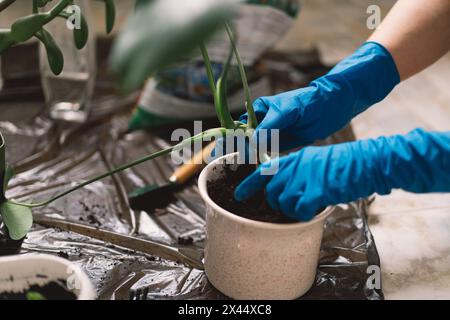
<point>201,136</point>
<point>227,65</point>
<point>56,10</point>
<point>252,121</point>
<point>209,71</point>
<point>222,104</point>
<point>35,6</point>
<point>222,93</point>
<point>222,112</point>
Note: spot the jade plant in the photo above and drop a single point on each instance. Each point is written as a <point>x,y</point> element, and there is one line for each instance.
<point>33,25</point>
<point>159,33</point>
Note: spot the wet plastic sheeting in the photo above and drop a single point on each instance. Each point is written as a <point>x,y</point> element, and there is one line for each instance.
<point>52,157</point>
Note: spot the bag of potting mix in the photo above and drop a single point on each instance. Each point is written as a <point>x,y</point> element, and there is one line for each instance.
<point>182,93</point>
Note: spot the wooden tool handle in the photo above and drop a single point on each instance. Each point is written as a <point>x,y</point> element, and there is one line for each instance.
<point>186,171</point>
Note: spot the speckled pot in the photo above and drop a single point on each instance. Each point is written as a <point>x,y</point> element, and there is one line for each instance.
<point>247,259</point>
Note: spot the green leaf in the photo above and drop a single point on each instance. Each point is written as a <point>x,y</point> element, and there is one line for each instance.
<point>6,172</point>
<point>222,93</point>
<point>2,167</point>
<point>54,55</point>
<point>24,28</point>
<point>6,40</point>
<point>2,154</point>
<point>225,117</point>
<point>80,35</point>
<point>162,31</point>
<point>138,3</point>
<point>9,173</point>
<point>110,15</point>
<point>18,219</point>
<point>34,295</point>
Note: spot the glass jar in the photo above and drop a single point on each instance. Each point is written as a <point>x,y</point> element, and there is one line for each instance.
<point>68,95</point>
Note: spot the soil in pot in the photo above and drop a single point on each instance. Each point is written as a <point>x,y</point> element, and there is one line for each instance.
<point>221,191</point>
<point>54,290</point>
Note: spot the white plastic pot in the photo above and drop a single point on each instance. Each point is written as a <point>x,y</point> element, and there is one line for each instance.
<point>19,272</point>
<point>247,259</point>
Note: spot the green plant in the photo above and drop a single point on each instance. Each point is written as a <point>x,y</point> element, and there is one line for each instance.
<point>33,295</point>
<point>159,33</point>
<point>33,25</point>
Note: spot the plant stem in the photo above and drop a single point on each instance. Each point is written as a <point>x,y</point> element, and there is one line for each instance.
<point>221,105</point>
<point>57,9</point>
<point>35,6</point>
<point>252,121</point>
<point>222,112</point>
<point>201,136</point>
<point>208,67</point>
<point>5,4</point>
<point>227,64</point>
<point>50,15</point>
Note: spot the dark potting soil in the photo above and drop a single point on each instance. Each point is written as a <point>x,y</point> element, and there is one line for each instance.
<point>221,191</point>
<point>51,291</point>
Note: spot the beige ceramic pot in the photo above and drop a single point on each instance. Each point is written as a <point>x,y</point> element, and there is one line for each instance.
<point>247,259</point>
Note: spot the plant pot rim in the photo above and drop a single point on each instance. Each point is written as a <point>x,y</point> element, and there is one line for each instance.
<point>86,292</point>
<point>202,185</point>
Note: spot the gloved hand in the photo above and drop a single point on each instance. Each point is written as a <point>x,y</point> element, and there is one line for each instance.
<point>330,102</point>
<point>315,177</point>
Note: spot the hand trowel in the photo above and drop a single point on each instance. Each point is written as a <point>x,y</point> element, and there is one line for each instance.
<point>158,196</point>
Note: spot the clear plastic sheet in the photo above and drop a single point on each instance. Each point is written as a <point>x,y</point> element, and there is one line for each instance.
<point>50,157</point>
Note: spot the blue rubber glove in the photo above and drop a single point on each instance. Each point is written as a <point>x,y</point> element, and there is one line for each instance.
<point>330,102</point>
<point>315,177</point>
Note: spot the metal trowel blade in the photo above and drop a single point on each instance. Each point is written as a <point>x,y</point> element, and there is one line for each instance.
<point>151,197</point>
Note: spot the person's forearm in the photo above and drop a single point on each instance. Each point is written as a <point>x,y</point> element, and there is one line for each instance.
<point>416,33</point>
